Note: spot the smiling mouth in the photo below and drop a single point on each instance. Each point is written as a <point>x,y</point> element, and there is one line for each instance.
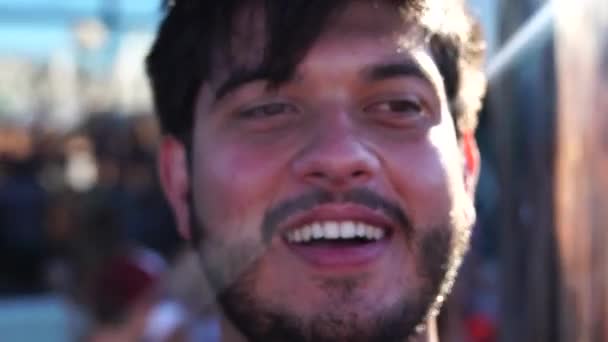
<point>332,244</point>
<point>335,232</point>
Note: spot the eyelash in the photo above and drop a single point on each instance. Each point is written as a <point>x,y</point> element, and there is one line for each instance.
<point>262,111</point>
<point>409,105</point>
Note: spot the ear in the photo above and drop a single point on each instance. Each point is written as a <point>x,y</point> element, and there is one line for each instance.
<point>470,152</point>
<point>175,181</point>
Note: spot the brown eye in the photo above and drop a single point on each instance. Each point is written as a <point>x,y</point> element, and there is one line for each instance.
<point>268,110</point>
<point>406,108</point>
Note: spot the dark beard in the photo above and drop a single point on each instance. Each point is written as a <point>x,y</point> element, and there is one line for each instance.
<point>232,274</point>
<point>260,322</point>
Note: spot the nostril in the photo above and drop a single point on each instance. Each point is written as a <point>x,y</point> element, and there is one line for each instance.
<point>358,174</point>
<point>317,174</point>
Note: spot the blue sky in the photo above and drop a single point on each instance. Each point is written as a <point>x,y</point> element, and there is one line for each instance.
<point>36,28</point>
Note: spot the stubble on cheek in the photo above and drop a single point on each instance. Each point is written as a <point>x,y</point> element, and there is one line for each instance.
<point>228,248</point>
<point>230,241</point>
<point>225,264</point>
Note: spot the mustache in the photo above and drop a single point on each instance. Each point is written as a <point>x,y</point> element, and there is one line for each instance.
<point>359,196</point>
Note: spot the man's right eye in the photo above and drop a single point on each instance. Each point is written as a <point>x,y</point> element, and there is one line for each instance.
<point>268,110</point>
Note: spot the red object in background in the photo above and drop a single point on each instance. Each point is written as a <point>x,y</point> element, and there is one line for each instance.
<point>123,281</point>
<point>481,328</point>
<point>120,283</point>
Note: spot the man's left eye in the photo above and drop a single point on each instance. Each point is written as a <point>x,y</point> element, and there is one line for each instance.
<point>267,110</point>
<point>402,107</point>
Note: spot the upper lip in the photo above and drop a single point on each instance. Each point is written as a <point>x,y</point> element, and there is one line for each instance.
<point>339,212</point>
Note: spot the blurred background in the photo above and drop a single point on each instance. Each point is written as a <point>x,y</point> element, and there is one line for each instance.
<point>88,249</point>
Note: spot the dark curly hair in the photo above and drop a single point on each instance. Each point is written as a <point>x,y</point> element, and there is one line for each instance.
<point>193,31</point>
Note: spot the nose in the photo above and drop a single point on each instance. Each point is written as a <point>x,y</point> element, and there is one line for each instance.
<point>336,158</point>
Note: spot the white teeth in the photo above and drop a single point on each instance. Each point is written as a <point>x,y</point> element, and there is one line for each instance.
<point>378,233</point>
<point>317,231</point>
<point>372,233</point>
<point>360,230</point>
<point>369,232</point>
<point>347,230</point>
<point>297,236</point>
<point>306,233</point>
<point>332,230</point>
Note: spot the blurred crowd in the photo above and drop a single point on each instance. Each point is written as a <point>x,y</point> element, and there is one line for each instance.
<point>78,196</point>
<point>82,215</point>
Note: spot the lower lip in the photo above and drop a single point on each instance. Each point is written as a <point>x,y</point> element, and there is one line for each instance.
<point>334,255</point>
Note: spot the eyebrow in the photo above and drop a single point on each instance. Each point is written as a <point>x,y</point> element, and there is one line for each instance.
<point>405,68</point>
<point>379,72</point>
<point>240,77</point>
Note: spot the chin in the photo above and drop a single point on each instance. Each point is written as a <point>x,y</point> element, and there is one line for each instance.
<point>342,311</point>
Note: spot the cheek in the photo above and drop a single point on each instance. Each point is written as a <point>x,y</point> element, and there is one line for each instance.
<point>234,184</point>
<point>419,176</point>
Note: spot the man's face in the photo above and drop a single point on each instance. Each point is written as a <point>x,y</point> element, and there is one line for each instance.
<point>328,207</point>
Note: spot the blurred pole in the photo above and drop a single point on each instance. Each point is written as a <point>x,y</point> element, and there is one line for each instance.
<point>521,110</point>
<point>110,15</point>
<point>533,32</point>
<point>582,168</point>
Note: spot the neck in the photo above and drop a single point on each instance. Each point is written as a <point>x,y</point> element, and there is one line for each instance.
<point>229,333</point>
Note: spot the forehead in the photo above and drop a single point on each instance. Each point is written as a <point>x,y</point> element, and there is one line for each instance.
<point>381,24</point>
